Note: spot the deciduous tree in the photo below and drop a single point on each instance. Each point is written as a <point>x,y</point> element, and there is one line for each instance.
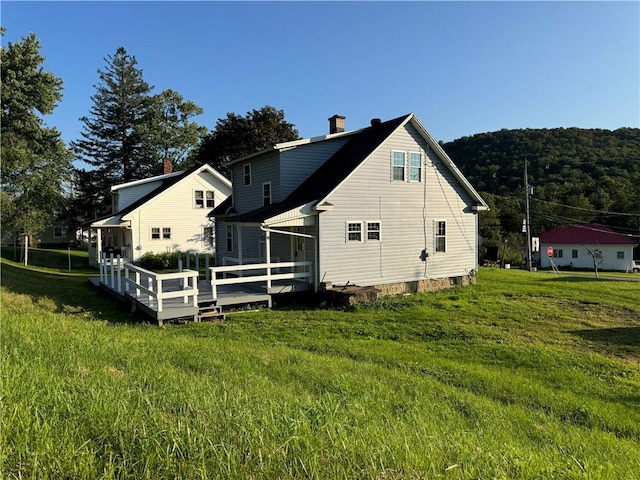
<point>35,161</point>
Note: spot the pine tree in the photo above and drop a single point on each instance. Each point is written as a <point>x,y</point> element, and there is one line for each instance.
<point>112,138</point>
<point>35,161</point>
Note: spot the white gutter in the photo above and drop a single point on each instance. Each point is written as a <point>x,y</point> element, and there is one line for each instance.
<point>266,229</point>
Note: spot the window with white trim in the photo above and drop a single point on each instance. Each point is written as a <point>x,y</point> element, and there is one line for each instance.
<point>155,233</point>
<point>373,230</point>
<point>166,233</point>
<point>229,238</point>
<point>574,253</point>
<point>441,236</point>
<point>415,167</point>
<point>57,232</point>
<point>246,168</point>
<point>354,231</point>
<point>210,199</point>
<point>199,198</point>
<point>398,166</point>
<point>266,194</point>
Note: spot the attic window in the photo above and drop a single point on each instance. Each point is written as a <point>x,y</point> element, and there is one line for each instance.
<point>210,199</point>
<point>398,166</point>
<point>415,167</point>
<point>199,197</point>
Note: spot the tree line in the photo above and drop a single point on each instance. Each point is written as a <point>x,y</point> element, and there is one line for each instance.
<point>128,134</point>
<point>578,176</point>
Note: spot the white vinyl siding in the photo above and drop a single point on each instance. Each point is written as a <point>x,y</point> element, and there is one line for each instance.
<point>408,211</point>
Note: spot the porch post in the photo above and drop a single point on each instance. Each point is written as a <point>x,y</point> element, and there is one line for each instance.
<point>112,282</point>
<point>240,249</point>
<point>98,243</point>
<point>119,276</point>
<point>267,247</point>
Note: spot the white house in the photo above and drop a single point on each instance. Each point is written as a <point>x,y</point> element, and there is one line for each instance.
<point>382,206</point>
<point>576,245</point>
<point>165,213</point>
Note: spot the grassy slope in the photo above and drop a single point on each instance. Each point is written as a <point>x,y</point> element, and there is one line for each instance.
<point>520,376</point>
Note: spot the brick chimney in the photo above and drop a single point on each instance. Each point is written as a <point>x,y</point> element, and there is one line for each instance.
<point>336,124</point>
<point>167,167</point>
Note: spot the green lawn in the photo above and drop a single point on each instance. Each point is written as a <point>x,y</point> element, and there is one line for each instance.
<point>521,376</point>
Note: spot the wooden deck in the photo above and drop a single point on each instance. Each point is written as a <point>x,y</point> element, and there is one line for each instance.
<point>253,293</point>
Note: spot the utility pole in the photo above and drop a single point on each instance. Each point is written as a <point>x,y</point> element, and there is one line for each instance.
<point>527,219</point>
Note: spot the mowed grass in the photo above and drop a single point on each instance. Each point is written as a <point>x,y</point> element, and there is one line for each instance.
<point>520,376</point>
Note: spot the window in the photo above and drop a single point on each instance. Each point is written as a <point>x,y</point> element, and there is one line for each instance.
<point>166,233</point>
<point>247,174</point>
<point>57,232</point>
<point>155,233</point>
<point>620,255</point>
<point>415,167</point>
<point>208,236</point>
<point>354,232</point>
<point>574,253</point>
<point>210,199</point>
<point>557,253</point>
<point>199,196</point>
<point>229,238</point>
<point>266,194</point>
<point>398,166</point>
<point>441,236</point>
<point>373,230</point>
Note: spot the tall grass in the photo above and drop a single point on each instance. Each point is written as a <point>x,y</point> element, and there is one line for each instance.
<point>519,376</point>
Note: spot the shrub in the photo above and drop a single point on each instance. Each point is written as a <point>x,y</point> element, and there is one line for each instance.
<point>158,261</point>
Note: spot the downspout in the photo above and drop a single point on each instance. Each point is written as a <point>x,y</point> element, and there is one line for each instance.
<point>316,272</point>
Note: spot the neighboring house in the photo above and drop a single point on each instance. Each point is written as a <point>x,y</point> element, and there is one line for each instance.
<point>160,214</point>
<point>572,246</point>
<point>383,206</point>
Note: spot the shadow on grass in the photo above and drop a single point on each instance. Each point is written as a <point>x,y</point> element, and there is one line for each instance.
<point>621,336</point>
<point>71,293</point>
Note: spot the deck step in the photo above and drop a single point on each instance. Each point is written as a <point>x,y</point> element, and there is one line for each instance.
<point>210,312</point>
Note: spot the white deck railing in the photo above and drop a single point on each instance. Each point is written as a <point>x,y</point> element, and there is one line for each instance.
<point>264,274</point>
<point>158,287</point>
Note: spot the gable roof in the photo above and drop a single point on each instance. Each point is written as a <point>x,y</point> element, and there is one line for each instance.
<point>332,173</point>
<point>167,182</point>
<point>589,234</point>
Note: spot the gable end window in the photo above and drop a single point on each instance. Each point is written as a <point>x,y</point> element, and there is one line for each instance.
<point>246,168</point>
<point>266,194</point>
<point>199,198</point>
<point>373,230</point>
<point>354,231</point>
<point>441,236</point>
<point>415,167</point>
<point>398,166</point>
<point>210,199</point>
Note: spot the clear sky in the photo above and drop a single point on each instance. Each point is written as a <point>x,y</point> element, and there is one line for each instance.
<point>462,67</point>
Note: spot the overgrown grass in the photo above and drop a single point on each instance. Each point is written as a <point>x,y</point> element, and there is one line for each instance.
<point>520,376</point>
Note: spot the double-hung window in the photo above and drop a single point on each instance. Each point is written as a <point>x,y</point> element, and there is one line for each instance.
<point>266,194</point>
<point>415,167</point>
<point>199,198</point>
<point>246,168</point>
<point>398,166</point>
<point>208,236</point>
<point>373,230</point>
<point>155,233</point>
<point>57,232</point>
<point>166,233</point>
<point>441,236</point>
<point>209,199</point>
<point>354,231</point>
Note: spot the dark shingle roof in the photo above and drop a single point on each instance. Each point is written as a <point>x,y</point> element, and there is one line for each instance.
<point>329,175</point>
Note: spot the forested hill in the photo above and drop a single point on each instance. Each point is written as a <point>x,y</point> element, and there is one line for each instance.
<point>577,174</point>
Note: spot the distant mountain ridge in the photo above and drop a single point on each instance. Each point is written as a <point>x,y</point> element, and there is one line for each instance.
<point>578,174</point>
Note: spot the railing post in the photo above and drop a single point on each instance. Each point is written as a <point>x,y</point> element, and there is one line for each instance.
<point>112,282</point>
<point>100,266</point>
<point>137,284</point>
<point>267,248</point>
<point>214,288</point>
<point>195,292</point>
<point>159,293</point>
<point>126,278</point>
<point>119,276</point>
<point>150,287</point>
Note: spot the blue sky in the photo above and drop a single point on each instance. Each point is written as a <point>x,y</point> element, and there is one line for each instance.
<point>462,67</point>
